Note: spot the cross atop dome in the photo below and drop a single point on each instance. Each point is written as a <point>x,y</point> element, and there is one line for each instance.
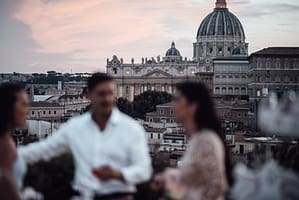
<point>220,3</point>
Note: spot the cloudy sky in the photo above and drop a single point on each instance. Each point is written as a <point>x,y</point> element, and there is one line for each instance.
<point>79,35</point>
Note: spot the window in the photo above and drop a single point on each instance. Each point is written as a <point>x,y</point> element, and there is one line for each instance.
<point>223,90</point>
<point>192,71</point>
<point>151,119</point>
<point>243,90</point>
<point>44,112</point>
<point>211,50</point>
<point>54,112</point>
<point>230,90</point>
<point>50,112</point>
<point>217,90</point>
<point>114,70</point>
<point>161,111</point>
<point>220,50</point>
<point>32,112</point>
<point>277,64</point>
<point>127,72</point>
<point>181,71</point>
<point>258,93</point>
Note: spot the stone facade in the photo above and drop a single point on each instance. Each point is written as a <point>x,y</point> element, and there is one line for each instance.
<point>274,69</point>
<point>52,112</point>
<point>230,76</point>
<point>220,35</point>
<point>155,74</point>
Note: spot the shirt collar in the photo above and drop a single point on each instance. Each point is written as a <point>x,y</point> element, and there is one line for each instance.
<point>114,117</point>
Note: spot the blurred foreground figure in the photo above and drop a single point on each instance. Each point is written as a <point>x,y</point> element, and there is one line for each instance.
<point>204,170</point>
<point>13,112</point>
<point>109,148</point>
<point>277,178</point>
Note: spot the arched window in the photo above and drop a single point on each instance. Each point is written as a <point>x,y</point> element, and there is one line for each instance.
<point>223,90</point>
<point>277,63</point>
<point>114,70</point>
<point>237,91</point>
<point>217,77</point>
<point>230,90</point>
<point>223,77</point>
<point>243,90</point>
<point>217,90</point>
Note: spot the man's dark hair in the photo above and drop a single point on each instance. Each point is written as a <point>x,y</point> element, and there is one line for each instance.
<point>98,78</point>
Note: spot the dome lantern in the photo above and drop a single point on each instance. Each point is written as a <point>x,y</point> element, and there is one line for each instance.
<point>221,4</point>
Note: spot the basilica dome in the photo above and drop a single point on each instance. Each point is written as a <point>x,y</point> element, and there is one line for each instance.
<point>221,22</point>
<point>172,54</point>
<point>220,34</point>
<point>173,51</point>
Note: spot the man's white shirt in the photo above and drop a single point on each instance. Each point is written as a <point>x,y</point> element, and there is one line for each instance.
<point>122,145</point>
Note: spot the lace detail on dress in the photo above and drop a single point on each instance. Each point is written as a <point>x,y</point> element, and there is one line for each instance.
<point>202,172</point>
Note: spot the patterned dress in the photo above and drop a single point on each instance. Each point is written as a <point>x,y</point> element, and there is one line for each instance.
<point>201,174</point>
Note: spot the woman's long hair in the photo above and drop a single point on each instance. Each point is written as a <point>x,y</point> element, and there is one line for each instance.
<point>206,116</point>
<point>8,98</point>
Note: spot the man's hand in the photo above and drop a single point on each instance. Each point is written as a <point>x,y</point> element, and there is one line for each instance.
<point>106,173</point>
<point>158,182</point>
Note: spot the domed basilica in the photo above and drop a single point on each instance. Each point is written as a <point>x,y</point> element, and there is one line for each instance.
<point>219,36</point>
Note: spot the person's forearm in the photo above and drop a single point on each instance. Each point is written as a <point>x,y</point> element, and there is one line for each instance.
<point>8,190</point>
<point>137,174</point>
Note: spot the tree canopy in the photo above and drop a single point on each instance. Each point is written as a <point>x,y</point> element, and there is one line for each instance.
<point>143,103</point>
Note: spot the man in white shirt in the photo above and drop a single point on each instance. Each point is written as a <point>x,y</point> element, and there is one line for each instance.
<point>109,148</point>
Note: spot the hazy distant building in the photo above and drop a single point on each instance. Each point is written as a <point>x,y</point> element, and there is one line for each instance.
<point>52,112</point>
<point>230,76</point>
<point>274,69</point>
<point>219,35</point>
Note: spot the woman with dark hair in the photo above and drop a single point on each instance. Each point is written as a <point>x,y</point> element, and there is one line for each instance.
<point>13,112</point>
<point>204,171</point>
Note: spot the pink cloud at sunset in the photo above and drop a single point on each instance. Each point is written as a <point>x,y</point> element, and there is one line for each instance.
<point>81,34</point>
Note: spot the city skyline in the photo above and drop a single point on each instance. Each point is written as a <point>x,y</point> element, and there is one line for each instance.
<point>79,36</point>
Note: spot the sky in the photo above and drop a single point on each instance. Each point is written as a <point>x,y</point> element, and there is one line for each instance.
<point>79,35</point>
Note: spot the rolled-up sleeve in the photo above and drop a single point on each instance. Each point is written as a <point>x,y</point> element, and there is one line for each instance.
<point>140,168</point>
<point>46,149</point>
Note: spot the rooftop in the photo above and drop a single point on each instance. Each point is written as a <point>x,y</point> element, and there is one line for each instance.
<point>278,51</point>
<point>44,104</point>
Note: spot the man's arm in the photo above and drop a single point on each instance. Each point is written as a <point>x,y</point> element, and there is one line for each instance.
<point>140,169</point>
<point>48,148</point>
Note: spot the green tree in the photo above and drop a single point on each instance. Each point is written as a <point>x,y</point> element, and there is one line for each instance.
<point>125,106</point>
<point>147,102</point>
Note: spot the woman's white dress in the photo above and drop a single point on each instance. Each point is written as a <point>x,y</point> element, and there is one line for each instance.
<point>201,173</point>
